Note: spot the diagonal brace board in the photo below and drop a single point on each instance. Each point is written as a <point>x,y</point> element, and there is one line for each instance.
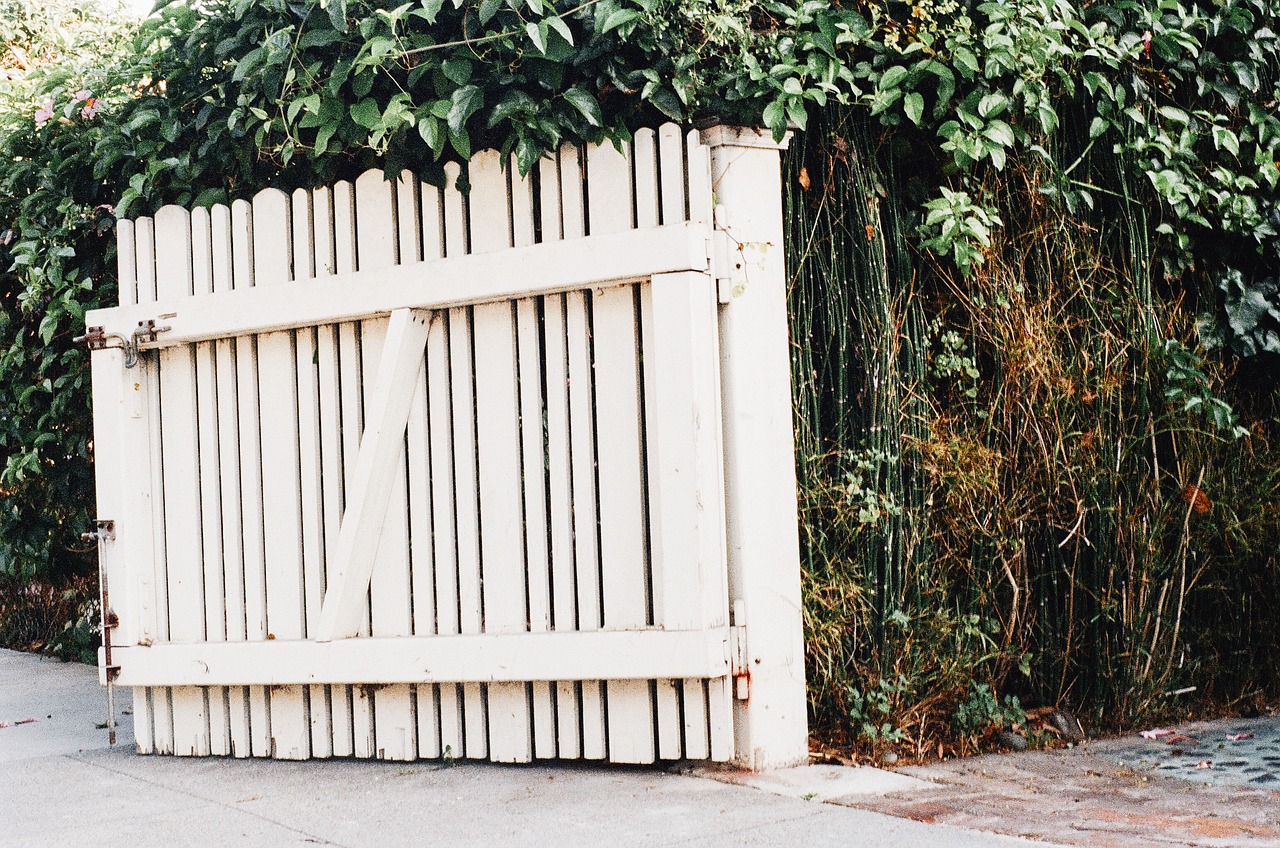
<point>381,453</point>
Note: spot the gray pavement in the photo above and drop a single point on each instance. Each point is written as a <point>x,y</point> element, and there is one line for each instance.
<point>1225,752</point>
<point>61,785</point>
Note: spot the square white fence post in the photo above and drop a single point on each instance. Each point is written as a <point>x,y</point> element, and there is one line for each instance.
<point>771,727</point>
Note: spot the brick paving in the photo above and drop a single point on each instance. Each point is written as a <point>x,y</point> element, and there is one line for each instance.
<point>1118,793</point>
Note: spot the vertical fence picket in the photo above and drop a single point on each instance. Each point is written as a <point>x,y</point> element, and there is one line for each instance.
<point>720,695</point>
<point>126,262</point>
<point>322,232</point>
<point>435,602</point>
<point>408,219</point>
<point>410,200</point>
<point>159,701</point>
<point>567,701</point>
<point>281,483</point>
<point>700,196</point>
<point>395,726</point>
<point>671,176</point>
<point>229,480</point>
<point>498,448</point>
<point>352,719</point>
<point>137,590</point>
<point>326,701</point>
<point>649,188</point>
<point>249,466</point>
<point>534,472</point>
<point>622,533</point>
<point>215,601</point>
<point>431,204</point>
<point>181,472</point>
<point>309,256</point>
<point>672,151</point>
<point>582,437</point>
<point>466,506</point>
<point>548,199</point>
<point>560,493</point>
<point>585,530</point>
<point>533,459</point>
<point>444,526</point>
<point>615,338</point>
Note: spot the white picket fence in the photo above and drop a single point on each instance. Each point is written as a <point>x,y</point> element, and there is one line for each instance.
<point>388,470</point>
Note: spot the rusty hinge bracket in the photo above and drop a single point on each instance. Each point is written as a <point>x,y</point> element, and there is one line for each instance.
<point>738,662</point>
<point>105,531</point>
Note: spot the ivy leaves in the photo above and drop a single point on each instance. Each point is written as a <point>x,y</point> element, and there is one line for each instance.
<point>423,80</point>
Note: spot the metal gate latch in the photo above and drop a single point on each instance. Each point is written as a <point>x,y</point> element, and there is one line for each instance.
<point>105,532</point>
<point>97,338</point>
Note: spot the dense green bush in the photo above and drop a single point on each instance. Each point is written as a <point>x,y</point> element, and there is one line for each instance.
<point>1034,259</point>
<point>57,248</point>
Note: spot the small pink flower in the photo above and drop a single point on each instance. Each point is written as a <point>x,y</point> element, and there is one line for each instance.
<point>45,113</point>
<point>90,109</point>
<point>83,94</point>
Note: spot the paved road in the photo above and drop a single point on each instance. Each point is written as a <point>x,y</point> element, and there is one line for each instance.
<point>60,785</point>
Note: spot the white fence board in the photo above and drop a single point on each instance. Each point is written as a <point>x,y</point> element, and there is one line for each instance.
<point>543,268</point>
<point>470,659</point>
<point>380,238</point>
<point>498,449</point>
<point>181,470</point>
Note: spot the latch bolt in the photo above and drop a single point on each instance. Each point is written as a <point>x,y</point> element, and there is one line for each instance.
<point>97,338</point>
<point>105,532</point>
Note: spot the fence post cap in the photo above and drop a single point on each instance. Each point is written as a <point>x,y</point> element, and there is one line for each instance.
<point>724,135</point>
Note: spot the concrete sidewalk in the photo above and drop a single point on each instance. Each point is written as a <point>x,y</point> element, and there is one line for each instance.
<point>62,786</point>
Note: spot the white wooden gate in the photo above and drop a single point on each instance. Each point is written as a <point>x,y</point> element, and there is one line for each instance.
<point>387,470</point>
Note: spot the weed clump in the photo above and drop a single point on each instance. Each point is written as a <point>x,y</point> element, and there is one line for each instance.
<point>995,465</point>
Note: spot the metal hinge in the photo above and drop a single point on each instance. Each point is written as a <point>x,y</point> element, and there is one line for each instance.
<point>738,663</point>
<point>105,531</point>
<point>727,266</point>
<point>97,338</point>
<point>733,259</point>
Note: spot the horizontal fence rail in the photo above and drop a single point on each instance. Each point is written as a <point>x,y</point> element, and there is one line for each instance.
<point>485,658</point>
